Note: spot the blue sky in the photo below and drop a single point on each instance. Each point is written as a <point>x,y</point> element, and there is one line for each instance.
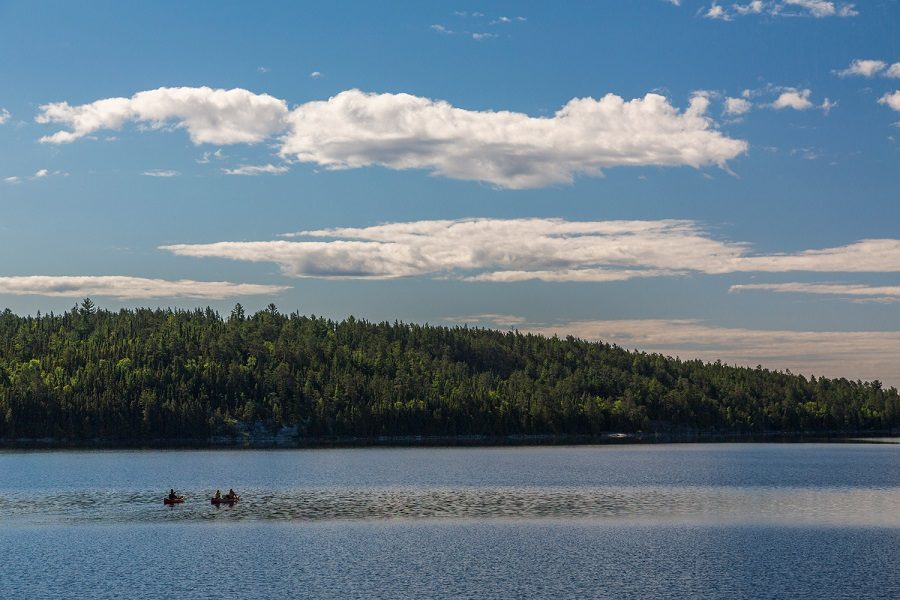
<point>702,179</point>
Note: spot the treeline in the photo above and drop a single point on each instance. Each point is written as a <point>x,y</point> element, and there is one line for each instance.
<point>142,374</point>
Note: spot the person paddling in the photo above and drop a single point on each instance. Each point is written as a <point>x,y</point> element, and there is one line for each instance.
<point>172,494</point>
<point>230,495</point>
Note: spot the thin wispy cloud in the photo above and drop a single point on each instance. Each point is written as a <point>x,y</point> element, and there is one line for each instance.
<point>852,291</point>
<point>207,157</point>
<point>129,288</point>
<point>866,355</point>
<point>4,116</point>
<point>488,319</point>
<point>39,174</point>
<point>512,250</point>
<point>161,173</point>
<point>818,9</point>
<point>355,129</point>
<point>253,170</point>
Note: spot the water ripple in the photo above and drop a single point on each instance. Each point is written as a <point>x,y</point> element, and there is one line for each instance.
<point>862,507</point>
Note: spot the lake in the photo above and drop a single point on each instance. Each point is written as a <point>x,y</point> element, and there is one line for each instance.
<point>663,521</point>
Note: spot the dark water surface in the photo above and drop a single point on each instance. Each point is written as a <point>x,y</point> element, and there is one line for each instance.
<point>668,521</point>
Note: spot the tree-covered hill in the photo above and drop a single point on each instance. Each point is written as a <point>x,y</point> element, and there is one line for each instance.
<point>142,374</point>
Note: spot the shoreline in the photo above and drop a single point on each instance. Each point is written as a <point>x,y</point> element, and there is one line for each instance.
<point>611,438</point>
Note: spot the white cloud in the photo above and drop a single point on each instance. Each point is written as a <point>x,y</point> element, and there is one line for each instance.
<point>862,68</point>
<point>781,8</point>
<point>39,174</point>
<point>508,149</point>
<point>817,8</point>
<point>315,75</point>
<point>400,131</point>
<point>806,153</point>
<point>891,99</point>
<point>263,69</point>
<point>121,287</point>
<point>208,156</point>
<point>161,173</point>
<point>253,170</point>
<point>893,71</point>
<point>492,319</point>
<point>505,250</point>
<point>737,106</point>
<point>751,8</point>
<point>480,37</point>
<point>872,293</point>
<point>793,98</point>
<point>210,116</point>
<point>717,12</point>
<point>827,105</point>
<point>855,355</point>
<point>4,116</point>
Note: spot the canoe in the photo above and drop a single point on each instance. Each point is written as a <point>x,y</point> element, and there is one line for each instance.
<point>176,500</point>
<point>218,501</point>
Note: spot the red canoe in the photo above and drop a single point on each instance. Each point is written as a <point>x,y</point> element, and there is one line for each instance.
<point>176,500</point>
<point>218,501</point>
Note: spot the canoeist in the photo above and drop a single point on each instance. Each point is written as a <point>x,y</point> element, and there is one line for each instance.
<point>218,495</point>
<point>172,495</point>
<point>230,495</point>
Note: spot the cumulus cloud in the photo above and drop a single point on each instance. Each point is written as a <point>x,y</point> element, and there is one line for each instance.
<point>4,116</point>
<point>13,179</point>
<point>855,355</point>
<point>253,170</point>
<point>891,99</point>
<point>161,173</point>
<point>751,8</point>
<point>862,68</point>
<point>857,292</point>
<point>893,71</point>
<point>210,116</point>
<point>513,150</point>
<point>399,131</point>
<point>737,106</point>
<point>507,250</point>
<point>315,75</point>
<point>793,98</point>
<point>114,286</point>
<point>717,12</point>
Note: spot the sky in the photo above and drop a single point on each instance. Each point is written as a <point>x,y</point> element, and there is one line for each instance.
<point>714,180</point>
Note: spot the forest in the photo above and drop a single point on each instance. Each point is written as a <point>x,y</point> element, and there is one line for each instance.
<point>156,374</point>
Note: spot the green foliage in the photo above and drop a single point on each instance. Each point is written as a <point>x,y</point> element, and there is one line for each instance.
<point>146,373</point>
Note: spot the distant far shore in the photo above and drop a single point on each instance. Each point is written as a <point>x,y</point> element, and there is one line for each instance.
<point>227,442</point>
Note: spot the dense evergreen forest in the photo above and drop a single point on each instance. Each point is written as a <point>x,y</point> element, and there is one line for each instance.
<point>157,374</point>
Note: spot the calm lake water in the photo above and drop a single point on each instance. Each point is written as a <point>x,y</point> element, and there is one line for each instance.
<point>667,521</point>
